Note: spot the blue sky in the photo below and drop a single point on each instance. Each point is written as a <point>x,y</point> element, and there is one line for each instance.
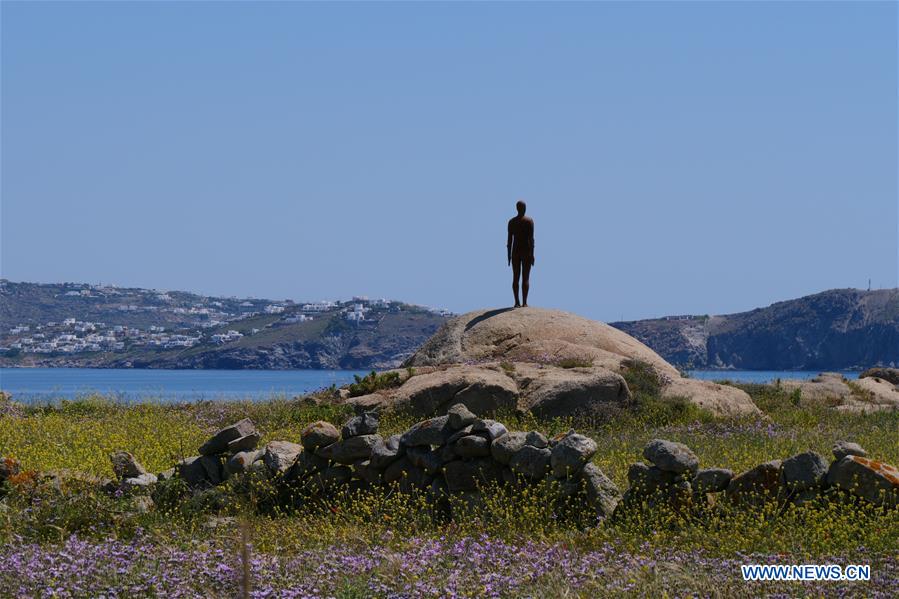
<point>676,157</point>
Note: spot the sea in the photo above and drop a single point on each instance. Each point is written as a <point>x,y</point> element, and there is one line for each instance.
<point>50,385</point>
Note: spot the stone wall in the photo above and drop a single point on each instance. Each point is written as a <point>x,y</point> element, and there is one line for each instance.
<point>461,455</point>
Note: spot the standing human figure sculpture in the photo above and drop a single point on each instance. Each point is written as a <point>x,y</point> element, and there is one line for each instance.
<point>520,251</point>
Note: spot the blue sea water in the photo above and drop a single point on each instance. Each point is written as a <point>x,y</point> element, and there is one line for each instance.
<point>760,376</point>
<point>38,385</point>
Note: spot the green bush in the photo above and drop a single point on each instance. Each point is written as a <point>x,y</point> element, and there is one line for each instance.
<point>374,382</point>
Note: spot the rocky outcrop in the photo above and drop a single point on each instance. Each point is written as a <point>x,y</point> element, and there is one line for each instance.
<point>840,329</point>
<point>532,335</point>
<point>834,390</point>
<point>549,362</point>
<point>891,375</point>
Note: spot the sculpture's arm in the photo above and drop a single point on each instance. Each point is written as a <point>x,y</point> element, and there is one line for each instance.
<point>509,244</point>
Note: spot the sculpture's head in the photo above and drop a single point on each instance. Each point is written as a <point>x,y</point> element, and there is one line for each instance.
<point>521,207</point>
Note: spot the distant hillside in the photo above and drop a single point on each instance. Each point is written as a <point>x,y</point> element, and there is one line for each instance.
<point>81,325</point>
<point>833,330</point>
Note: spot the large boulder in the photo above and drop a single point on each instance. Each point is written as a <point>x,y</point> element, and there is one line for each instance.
<point>319,434</point>
<point>874,481</point>
<point>891,375</point>
<point>486,335</point>
<point>551,391</point>
<point>350,450</point>
<point>869,394</point>
<point>569,455</point>
<point>124,465</point>
<point>756,485</point>
<point>720,400</point>
<point>278,456</point>
<point>481,390</point>
<point>559,364</point>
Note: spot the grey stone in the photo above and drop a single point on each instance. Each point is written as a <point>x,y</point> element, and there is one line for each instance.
<point>803,471</point>
<point>218,443</point>
<point>460,416</point>
<point>306,464</point>
<point>139,484</point>
<point>711,480</point>
<point>397,469</point>
<point>756,485</point>
<point>215,468</point>
<point>364,424</point>
<point>447,453</point>
<point>350,450</point>
<point>602,493</point>
<point>166,474</point>
<point>472,446</point>
<point>671,456</point>
<point>570,454</point>
<point>871,480</point>
<point>638,476</point>
<point>504,447</point>
<point>463,432</point>
<point>239,462</point>
<point>414,479</point>
<point>424,458</point>
<point>278,456</point>
<point>537,440</point>
<point>365,471</point>
<point>843,448</point>
<point>319,434</point>
<point>124,465</point>
<point>192,472</point>
<point>471,475</point>
<point>245,443</point>
<point>531,462</point>
<point>433,431</point>
<point>493,428</point>
<point>383,453</point>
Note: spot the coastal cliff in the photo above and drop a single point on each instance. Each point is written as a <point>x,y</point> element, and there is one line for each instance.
<point>838,329</point>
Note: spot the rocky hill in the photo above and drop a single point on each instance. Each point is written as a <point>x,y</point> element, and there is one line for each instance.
<point>833,330</point>
<point>81,325</point>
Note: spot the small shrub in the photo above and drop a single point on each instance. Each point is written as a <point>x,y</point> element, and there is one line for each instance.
<point>374,382</point>
<point>508,367</point>
<point>575,363</point>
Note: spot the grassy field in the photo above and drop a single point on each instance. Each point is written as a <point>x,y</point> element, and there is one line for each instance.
<point>382,543</point>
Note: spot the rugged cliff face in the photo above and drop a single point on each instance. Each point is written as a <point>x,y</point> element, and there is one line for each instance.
<point>832,330</point>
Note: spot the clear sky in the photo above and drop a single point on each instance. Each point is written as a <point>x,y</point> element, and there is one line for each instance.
<point>676,157</point>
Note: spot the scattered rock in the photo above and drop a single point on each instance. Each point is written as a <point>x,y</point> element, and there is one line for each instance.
<point>245,443</point>
<point>756,485</point>
<point>424,458</point>
<point>434,431</point>
<point>472,446</point>
<point>124,465</point>
<point>871,480</point>
<point>241,461</point>
<point>504,447</point>
<point>602,493</point>
<point>671,456</point>
<point>278,456</point>
<point>570,454</point>
<point>139,484</point>
<point>530,462</point>
<point>843,448</point>
<point>460,416</point>
<point>383,453</point>
<point>493,428</point>
<point>365,424</point>
<point>711,480</point>
<point>350,450</point>
<point>537,440</point>
<point>218,443</point>
<point>803,471</point>
<point>319,434</point>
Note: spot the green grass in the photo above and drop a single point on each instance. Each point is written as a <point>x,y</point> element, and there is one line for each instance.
<point>78,436</point>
